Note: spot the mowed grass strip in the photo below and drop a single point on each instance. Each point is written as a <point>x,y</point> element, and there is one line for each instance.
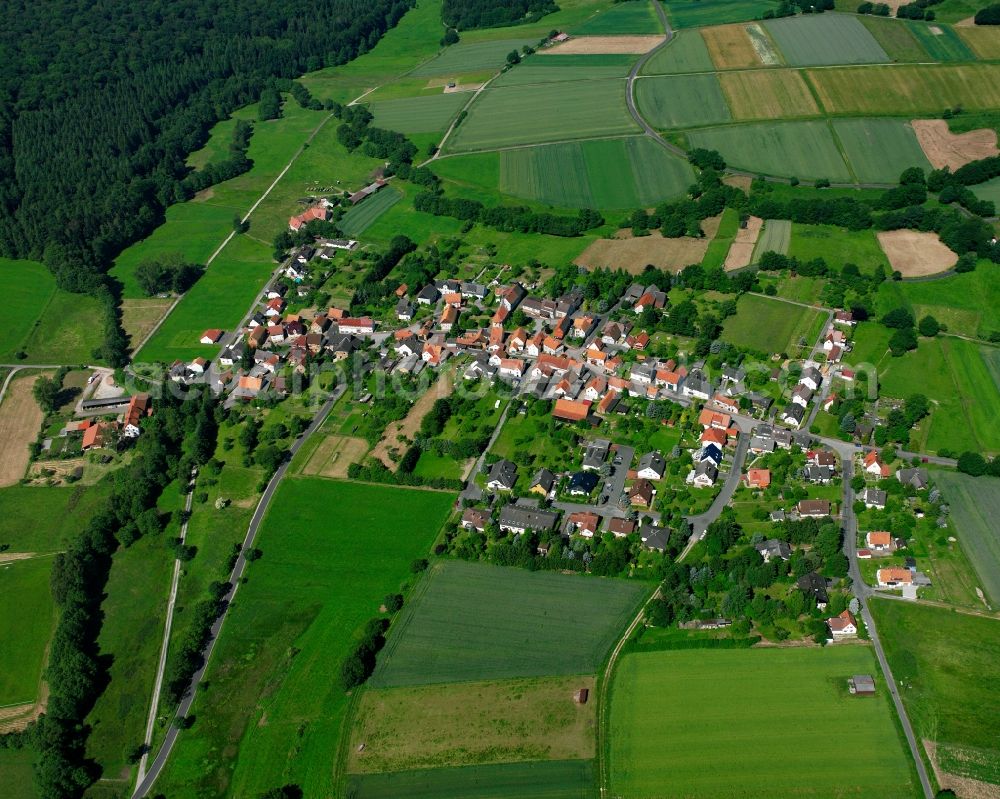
<point>820,39</point>
<point>949,665</point>
<point>686,52</point>
<point>788,149</point>
<point>471,57</point>
<point>895,37</point>
<point>27,618</point>
<point>463,625</point>
<point>419,114</point>
<point>362,216</point>
<point>907,89</point>
<point>941,41</point>
<point>767,325</point>
<point>975,506</point>
<point>730,47</point>
<point>747,709</point>
<point>682,101</point>
<point>879,150</point>
<point>775,237</point>
<point>555,779</point>
<point>331,551</point>
<point>505,721</point>
<point>621,18</point>
<point>547,112</point>
<point>983,39</point>
<point>562,68</point>
<point>695,13</point>
<point>768,94</point>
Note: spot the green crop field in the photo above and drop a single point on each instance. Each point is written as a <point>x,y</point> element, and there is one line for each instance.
<point>461,625</point>
<point>17,773</point>
<point>838,246</point>
<point>24,595</point>
<point>560,68</point>
<point>419,114</point>
<point>543,112</point>
<point>975,507</point>
<point>44,518</point>
<point>682,101</point>
<point>472,57</point>
<point>768,325</point>
<point>789,149</point>
<point>695,13</point>
<point>895,37</point>
<point>555,779</point>
<point>775,237</point>
<point>686,52</point>
<point>908,89</point>
<point>941,41</point>
<point>274,711</point>
<point>730,723</point>
<point>878,150</point>
<point>622,18</point>
<point>362,216</point>
<point>821,39</point>
<point>990,190</point>
<point>607,173</point>
<point>948,665</point>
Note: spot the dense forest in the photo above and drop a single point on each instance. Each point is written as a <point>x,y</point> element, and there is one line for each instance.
<point>464,14</point>
<point>102,100</point>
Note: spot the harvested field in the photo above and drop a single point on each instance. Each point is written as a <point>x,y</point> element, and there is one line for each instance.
<point>634,253</point>
<point>743,182</point>
<point>408,426</point>
<point>604,45</point>
<point>20,420</point>
<point>741,250</point>
<point>946,149</point>
<point>768,94</point>
<point>141,316</point>
<point>916,254</point>
<point>332,457</point>
<point>474,722</point>
<point>730,47</point>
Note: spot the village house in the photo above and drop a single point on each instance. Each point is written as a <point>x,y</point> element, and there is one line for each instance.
<point>542,483</point>
<point>874,466</point>
<point>582,484</point>
<point>519,519</point>
<point>595,453</point>
<point>317,212</point>
<point>139,407</point>
<point>502,476</point>
<point>475,519</point>
<point>211,336</point>
<point>880,541</point>
<point>654,538</point>
<point>916,478</point>
<point>356,327</point>
<point>873,498</point>
<point>811,377</point>
<point>652,466</point>
<point>813,508</point>
<point>815,586</point>
<point>571,410</point>
<point>641,493</point>
<point>758,478</point>
<point>621,528</point>
<point>773,549</point>
<point>894,577</point>
<point>584,523</point>
<point>99,435</point>
<point>704,474</point>
<point>843,626</point>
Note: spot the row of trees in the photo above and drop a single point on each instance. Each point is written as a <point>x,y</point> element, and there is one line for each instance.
<point>465,14</point>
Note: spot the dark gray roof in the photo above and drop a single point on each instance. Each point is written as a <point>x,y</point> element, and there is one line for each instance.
<point>543,478</point>
<point>654,537</point>
<point>583,481</point>
<point>525,518</point>
<point>653,460</point>
<point>504,473</point>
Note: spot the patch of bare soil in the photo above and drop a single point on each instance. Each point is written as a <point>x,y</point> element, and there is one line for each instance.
<point>20,420</point>
<point>968,22</point>
<point>916,254</point>
<point>946,149</point>
<point>204,195</point>
<point>10,557</point>
<point>17,717</point>
<point>409,426</point>
<point>741,250</point>
<point>741,182</point>
<point>463,87</point>
<point>141,316</point>
<point>603,45</point>
<point>59,469</point>
<point>964,787</point>
<point>634,253</point>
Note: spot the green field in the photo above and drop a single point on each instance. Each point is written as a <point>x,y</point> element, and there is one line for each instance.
<point>948,665</point>
<point>419,114</point>
<point>686,52</point>
<point>17,774</point>
<point>44,518</point>
<point>775,237</point>
<point>941,41</point>
<point>837,246</point>
<point>990,190</point>
<point>363,216</point>
<point>558,68</point>
<point>975,507</point>
<point>274,710</point>
<point>790,149</point>
<point>472,57</point>
<point>477,622</point>
<point>878,150</point>
<point>682,101</point>
<point>544,112</point>
<point>695,13</point>
<point>618,19</point>
<point>566,779</point>
<point>732,723</point>
<point>895,37</point>
<point>767,325</point>
<point>27,617</point>
<point>825,39</point>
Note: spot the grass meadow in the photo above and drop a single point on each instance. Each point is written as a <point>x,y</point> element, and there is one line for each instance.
<point>990,190</point>
<point>24,595</point>
<point>941,42</point>
<point>545,112</point>
<point>895,37</point>
<point>560,68</point>
<point>736,723</point>
<point>363,216</point>
<point>775,237</point>
<point>475,622</point>
<point>878,150</point>
<point>825,39</point>
<point>471,57</point>
<point>975,506</point>
<point>619,19</point>
<point>768,325</point>
<point>44,518</point>
<point>554,779</point>
<point>948,665</point>
<point>682,101</point>
<point>697,13</point>
<point>419,114</point>
<point>274,710</point>
<point>18,774</point>
<point>790,149</point>
<point>837,246</point>
<point>686,52</point>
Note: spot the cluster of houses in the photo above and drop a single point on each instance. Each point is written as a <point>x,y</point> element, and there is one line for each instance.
<point>101,433</point>
<point>802,396</point>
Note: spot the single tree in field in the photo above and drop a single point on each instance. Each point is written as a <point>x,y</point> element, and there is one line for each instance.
<point>929,326</point>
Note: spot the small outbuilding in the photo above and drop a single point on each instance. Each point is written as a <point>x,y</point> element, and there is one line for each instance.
<point>861,685</point>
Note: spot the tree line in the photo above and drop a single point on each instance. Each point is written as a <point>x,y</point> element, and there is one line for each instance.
<point>465,14</point>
